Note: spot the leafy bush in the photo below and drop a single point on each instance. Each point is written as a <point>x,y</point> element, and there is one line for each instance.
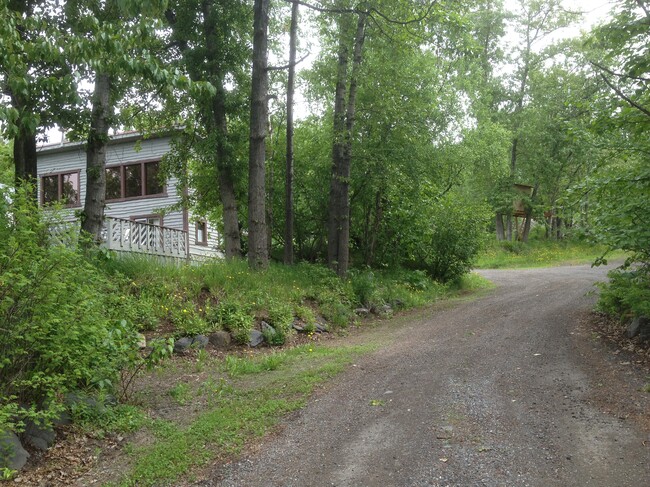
<point>232,316</point>
<point>59,329</point>
<point>364,286</point>
<point>627,293</point>
<point>280,317</point>
<point>451,242</point>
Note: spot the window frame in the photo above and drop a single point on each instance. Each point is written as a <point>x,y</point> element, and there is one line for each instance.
<point>135,219</point>
<point>59,175</point>
<point>203,242</point>
<point>143,176</point>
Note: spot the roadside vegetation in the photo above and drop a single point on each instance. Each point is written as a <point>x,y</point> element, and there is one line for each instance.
<point>73,321</point>
<point>543,253</point>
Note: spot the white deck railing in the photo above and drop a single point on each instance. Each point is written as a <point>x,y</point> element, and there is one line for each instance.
<point>131,236</point>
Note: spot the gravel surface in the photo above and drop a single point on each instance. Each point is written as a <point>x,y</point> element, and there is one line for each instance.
<point>505,390</point>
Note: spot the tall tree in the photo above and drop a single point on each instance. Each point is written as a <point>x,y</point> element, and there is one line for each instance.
<point>338,241</point>
<point>258,257</point>
<point>208,39</point>
<point>35,82</point>
<point>288,201</point>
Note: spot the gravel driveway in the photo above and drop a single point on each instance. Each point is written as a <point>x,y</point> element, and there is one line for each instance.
<point>507,390</point>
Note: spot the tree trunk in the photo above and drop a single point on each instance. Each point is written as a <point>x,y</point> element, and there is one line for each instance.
<point>334,209</point>
<point>529,216</point>
<point>338,254</point>
<point>509,228</point>
<point>24,152</point>
<point>258,257</point>
<point>25,158</point>
<point>288,185</point>
<point>227,192</point>
<point>92,220</point>
<point>501,236</point>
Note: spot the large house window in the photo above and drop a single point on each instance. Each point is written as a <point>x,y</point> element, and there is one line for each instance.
<point>62,187</point>
<point>135,180</point>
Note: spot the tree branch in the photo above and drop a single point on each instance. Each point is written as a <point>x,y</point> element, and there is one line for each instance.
<point>622,95</point>
<point>287,66</point>
<point>618,75</point>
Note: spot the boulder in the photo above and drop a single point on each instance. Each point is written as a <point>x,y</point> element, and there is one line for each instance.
<point>200,341</point>
<point>256,338</point>
<point>182,344</point>
<point>361,311</point>
<point>220,339</point>
<point>320,328</point>
<point>38,436</point>
<point>268,329</point>
<point>142,341</point>
<point>12,454</point>
<point>297,326</point>
<point>640,326</point>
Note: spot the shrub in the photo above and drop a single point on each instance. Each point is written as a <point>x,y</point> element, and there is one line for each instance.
<point>364,286</point>
<point>232,316</point>
<point>59,331</point>
<point>280,317</point>
<point>451,243</point>
<point>627,293</point>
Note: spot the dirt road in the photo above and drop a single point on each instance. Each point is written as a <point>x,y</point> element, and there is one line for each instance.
<point>507,390</point>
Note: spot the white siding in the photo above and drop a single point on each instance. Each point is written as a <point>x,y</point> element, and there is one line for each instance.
<point>213,249</point>
<point>71,157</point>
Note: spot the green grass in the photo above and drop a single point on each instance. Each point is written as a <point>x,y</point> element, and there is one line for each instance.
<point>541,253</point>
<point>238,413</point>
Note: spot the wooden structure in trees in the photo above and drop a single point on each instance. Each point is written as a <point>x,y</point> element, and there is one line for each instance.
<point>519,205</point>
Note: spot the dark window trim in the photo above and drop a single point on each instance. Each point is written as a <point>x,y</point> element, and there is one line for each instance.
<point>204,242</point>
<point>59,175</point>
<point>142,196</point>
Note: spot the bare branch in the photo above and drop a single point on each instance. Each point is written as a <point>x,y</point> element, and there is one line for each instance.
<point>287,66</point>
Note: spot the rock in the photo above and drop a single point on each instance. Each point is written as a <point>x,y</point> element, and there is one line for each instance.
<point>386,309</point>
<point>182,344</point>
<point>200,341</point>
<point>268,329</point>
<point>361,311</point>
<point>255,338</point>
<point>220,339</point>
<point>640,325</point>
<point>38,436</point>
<point>297,326</point>
<point>322,328</point>
<point>142,341</point>
<point>12,454</point>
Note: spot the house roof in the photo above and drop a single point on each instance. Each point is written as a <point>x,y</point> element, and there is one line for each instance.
<point>118,138</point>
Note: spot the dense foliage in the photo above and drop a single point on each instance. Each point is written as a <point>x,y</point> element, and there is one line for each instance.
<point>61,327</point>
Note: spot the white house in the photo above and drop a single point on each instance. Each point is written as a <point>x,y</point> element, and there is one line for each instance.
<point>139,207</point>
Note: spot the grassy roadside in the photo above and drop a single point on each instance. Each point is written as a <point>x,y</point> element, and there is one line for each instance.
<point>541,253</point>
<point>230,403</point>
<point>191,411</point>
<point>217,404</point>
